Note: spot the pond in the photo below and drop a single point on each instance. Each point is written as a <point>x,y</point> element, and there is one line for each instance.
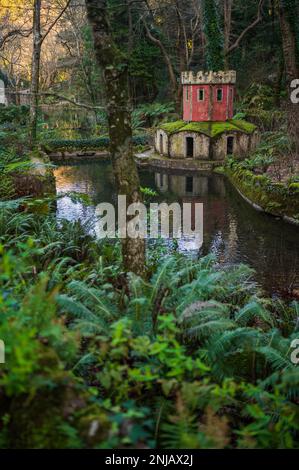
<point>233,230</point>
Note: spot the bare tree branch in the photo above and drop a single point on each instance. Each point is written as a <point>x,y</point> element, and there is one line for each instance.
<point>55,21</point>
<point>14,33</point>
<point>63,98</point>
<point>251,26</point>
<point>167,60</point>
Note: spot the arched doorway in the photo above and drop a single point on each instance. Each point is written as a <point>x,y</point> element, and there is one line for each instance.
<point>230,145</point>
<point>189,147</point>
<point>161,144</point>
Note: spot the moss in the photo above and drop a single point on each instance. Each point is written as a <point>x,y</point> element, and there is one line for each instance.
<point>275,198</point>
<point>203,127</point>
<point>172,127</point>
<point>294,188</point>
<point>211,129</point>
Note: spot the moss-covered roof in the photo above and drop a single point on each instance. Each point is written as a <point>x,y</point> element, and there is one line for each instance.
<point>211,129</point>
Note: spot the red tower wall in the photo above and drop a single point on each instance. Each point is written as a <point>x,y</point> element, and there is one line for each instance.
<point>210,109</point>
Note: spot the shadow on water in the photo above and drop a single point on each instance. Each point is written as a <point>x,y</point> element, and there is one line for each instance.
<point>233,230</point>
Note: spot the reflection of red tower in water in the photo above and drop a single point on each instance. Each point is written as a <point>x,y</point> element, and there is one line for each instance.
<point>214,213</point>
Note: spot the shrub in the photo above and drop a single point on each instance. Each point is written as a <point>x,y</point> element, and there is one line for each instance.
<point>87,144</point>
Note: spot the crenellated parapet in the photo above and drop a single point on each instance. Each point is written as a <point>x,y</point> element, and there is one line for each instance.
<point>209,78</point>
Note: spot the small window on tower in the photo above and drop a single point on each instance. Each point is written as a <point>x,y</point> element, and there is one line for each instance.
<point>201,95</point>
<point>219,94</point>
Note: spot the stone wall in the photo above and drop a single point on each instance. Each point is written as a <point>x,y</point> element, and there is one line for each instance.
<point>205,148</point>
<point>161,137</point>
<point>242,145</point>
<point>178,146</point>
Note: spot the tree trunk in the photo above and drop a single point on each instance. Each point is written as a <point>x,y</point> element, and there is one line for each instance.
<point>35,70</point>
<point>292,68</point>
<point>115,68</point>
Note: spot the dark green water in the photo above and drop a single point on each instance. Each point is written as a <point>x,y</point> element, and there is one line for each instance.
<point>233,230</point>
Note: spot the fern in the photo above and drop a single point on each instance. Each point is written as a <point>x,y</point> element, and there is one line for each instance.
<point>251,312</point>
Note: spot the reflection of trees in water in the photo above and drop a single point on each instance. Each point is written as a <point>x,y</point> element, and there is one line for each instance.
<point>233,230</point>
<point>92,179</point>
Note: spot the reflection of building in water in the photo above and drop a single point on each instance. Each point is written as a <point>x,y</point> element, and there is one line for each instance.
<point>219,226</point>
<point>210,191</point>
<point>186,185</point>
<point>161,181</point>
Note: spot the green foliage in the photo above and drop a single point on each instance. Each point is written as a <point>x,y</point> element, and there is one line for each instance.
<point>87,144</point>
<point>214,36</point>
<point>258,106</point>
<point>189,357</point>
<point>151,114</point>
<point>14,114</point>
<point>10,165</point>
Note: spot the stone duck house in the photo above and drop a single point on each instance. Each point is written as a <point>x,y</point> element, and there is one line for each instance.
<point>207,130</point>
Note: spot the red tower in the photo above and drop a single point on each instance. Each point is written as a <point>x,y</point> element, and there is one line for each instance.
<point>208,96</point>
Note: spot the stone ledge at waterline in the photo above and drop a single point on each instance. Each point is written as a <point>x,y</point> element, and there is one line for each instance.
<point>151,159</point>
<point>78,156</point>
<point>276,199</point>
<point>84,150</point>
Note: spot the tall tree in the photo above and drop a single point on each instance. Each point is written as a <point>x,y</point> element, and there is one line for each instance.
<point>35,69</point>
<point>289,25</point>
<point>38,39</point>
<point>115,68</point>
